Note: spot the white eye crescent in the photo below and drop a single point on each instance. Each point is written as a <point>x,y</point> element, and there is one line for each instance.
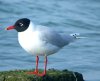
<point>21,24</point>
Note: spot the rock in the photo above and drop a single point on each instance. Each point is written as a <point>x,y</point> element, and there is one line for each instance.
<point>52,75</point>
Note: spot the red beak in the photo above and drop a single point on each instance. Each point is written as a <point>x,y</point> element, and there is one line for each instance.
<point>10,27</point>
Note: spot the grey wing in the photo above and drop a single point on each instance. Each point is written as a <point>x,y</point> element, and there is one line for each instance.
<point>53,38</point>
<point>68,38</point>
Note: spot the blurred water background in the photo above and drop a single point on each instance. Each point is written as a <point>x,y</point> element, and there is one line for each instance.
<point>69,16</point>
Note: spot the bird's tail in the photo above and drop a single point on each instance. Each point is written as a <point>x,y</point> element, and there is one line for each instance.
<point>77,36</point>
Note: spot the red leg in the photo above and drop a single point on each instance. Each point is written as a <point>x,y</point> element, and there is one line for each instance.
<point>36,70</point>
<point>37,60</point>
<point>45,63</point>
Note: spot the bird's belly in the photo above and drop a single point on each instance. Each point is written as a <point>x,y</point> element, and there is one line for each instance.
<point>40,49</point>
<point>36,46</point>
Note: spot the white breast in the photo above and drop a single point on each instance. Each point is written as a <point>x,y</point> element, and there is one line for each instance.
<point>29,41</point>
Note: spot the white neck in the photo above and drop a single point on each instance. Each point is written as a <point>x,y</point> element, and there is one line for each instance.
<point>30,28</point>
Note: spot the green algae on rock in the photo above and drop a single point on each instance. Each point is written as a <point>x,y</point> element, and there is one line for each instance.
<point>52,75</point>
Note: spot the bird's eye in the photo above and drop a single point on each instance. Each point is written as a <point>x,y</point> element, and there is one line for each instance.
<point>21,24</point>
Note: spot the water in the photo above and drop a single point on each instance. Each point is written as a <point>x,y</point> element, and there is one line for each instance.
<point>69,16</point>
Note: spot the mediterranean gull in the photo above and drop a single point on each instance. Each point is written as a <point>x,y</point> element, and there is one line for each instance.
<point>40,40</point>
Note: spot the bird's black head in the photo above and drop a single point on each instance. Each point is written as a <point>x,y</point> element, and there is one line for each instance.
<point>20,25</point>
